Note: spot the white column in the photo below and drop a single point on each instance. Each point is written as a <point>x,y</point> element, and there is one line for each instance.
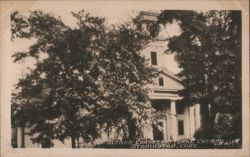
<point>186,122</point>
<point>168,125</point>
<point>20,137</point>
<point>197,116</point>
<point>192,121</point>
<point>173,120</point>
<point>165,135</point>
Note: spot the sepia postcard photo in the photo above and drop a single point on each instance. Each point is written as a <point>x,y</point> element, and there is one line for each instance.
<point>124,78</point>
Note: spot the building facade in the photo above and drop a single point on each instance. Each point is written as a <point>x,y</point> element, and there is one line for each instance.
<point>180,121</point>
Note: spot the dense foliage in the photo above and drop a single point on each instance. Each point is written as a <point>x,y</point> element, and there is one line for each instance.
<point>208,50</point>
<point>86,80</point>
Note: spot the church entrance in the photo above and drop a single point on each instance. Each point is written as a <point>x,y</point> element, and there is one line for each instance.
<point>158,131</point>
<point>160,127</point>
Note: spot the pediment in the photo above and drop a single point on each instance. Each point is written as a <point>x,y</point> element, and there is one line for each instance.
<point>171,82</point>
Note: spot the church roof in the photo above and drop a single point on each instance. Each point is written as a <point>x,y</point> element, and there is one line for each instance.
<point>169,73</point>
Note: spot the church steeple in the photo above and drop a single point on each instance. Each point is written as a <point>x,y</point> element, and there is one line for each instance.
<point>149,18</point>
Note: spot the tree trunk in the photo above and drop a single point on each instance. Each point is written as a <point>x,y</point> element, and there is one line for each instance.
<point>131,127</point>
<point>22,137</point>
<point>212,120</point>
<point>206,120</point>
<point>125,137</point>
<point>78,143</point>
<point>73,141</point>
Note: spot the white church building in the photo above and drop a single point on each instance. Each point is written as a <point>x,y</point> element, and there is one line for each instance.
<point>181,120</point>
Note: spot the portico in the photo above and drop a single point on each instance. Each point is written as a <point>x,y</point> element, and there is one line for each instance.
<point>177,119</point>
<point>167,124</point>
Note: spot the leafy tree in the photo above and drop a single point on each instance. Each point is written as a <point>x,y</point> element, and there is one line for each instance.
<point>85,79</point>
<point>208,50</point>
<point>125,78</point>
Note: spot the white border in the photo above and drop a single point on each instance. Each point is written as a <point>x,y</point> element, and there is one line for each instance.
<point>6,63</point>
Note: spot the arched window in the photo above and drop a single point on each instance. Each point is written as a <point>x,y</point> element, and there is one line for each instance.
<point>161,81</point>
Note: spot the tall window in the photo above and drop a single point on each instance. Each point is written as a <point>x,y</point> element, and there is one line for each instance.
<point>180,127</point>
<point>161,81</point>
<point>153,58</point>
<point>180,109</point>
